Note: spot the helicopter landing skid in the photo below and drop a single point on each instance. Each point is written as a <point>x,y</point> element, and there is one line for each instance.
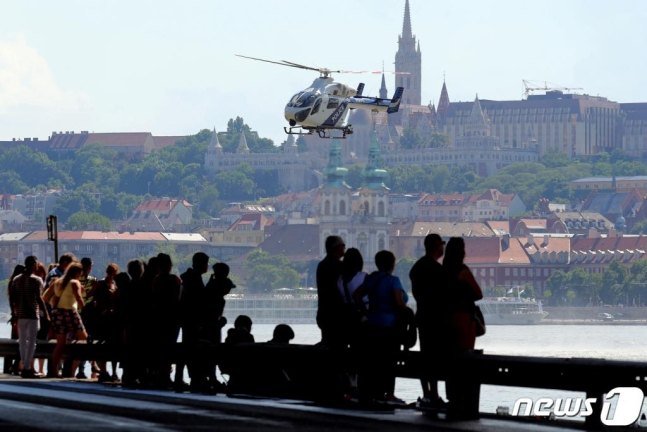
<point>325,133</point>
<point>299,131</point>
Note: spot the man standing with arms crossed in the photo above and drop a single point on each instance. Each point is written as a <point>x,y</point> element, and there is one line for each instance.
<point>26,303</point>
<point>428,285</point>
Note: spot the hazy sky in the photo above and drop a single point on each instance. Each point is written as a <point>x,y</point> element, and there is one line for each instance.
<point>168,67</point>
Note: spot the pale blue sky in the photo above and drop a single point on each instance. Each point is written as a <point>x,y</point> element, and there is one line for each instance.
<point>168,67</point>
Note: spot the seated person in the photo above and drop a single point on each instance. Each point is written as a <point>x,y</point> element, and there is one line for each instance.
<point>242,331</point>
<point>283,334</point>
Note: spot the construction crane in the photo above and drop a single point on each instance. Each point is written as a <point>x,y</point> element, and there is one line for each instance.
<point>533,86</point>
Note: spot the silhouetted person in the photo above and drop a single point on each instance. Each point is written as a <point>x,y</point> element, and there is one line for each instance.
<point>282,334</point>
<point>135,301</point>
<point>193,309</point>
<point>428,284</point>
<point>330,302</point>
<point>352,276</point>
<point>463,291</point>
<point>218,286</point>
<point>386,299</point>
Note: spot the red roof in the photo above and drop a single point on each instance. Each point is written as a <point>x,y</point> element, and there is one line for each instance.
<point>165,141</point>
<point>119,138</point>
<point>163,204</point>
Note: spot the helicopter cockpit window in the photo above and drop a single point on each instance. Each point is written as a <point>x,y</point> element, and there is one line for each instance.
<point>294,99</point>
<point>305,100</point>
<point>315,108</point>
<point>332,103</point>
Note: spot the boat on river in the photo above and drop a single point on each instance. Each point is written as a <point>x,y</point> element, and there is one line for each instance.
<point>299,306</point>
<point>511,311</point>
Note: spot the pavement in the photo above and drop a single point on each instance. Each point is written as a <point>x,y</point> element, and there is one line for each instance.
<point>81,405</point>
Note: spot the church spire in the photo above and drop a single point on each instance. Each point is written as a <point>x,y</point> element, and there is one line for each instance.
<point>406,25</point>
<point>384,94</point>
<point>443,103</point>
<point>334,172</point>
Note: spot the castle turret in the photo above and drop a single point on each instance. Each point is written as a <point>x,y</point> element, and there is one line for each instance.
<point>477,123</point>
<point>242,145</point>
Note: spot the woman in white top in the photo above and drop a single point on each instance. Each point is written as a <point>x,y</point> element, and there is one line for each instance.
<point>65,316</point>
<point>352,274</point>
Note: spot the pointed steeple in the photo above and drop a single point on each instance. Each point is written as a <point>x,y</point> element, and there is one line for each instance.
<point>477,123</point>
<point>290,145</point>
<point>384,94</point>
<point>334,172</point>
<point>443,103</point>
<point>374,174</point>
<point>242,145</point>
<point>406,25</point>
<point>214,144</point>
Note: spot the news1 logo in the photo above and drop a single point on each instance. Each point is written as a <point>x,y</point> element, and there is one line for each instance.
<point>627,407</point>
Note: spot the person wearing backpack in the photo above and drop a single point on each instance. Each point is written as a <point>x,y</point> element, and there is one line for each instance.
<point>387,299</point>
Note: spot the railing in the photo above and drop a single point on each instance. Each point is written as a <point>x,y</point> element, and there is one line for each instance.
<point>591,376</point>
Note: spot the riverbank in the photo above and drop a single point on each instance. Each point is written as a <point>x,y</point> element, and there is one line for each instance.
<point>547,321</point>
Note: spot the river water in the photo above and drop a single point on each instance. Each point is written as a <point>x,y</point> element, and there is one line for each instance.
<point>614,342</point>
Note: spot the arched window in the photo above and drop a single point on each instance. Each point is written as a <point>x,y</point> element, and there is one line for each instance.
<point>327,208</point>
<point>380,208</point>
<point>366,208</point>
<point>380,244</point>
<point>342,207</point>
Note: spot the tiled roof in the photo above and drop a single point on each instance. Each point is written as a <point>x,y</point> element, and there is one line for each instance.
<point>165,141</point>
<point>482,250</point>
<point>160,205</point>
<point>119,138</point>
<point>534,223</point>
<point>499,227</point>
<point>444,229</point>
<point>555,244</point>
<point>297,242</point>
<point>515,253</point>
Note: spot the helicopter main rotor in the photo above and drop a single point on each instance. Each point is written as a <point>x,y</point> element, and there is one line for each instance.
<point>324,72</point>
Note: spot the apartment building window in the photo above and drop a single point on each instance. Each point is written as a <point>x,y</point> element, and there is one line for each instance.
<point>104,248</point>
<point>523,272</point>
<point>515,272</point>
<point>115,249</point>
<point>76,248</point>
<point>545,272</point>
<point>89,248</point>
<point>507,272</point>
<point>491,272</point>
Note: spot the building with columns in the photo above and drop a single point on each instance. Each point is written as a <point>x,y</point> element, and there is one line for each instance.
<point>361,218</point>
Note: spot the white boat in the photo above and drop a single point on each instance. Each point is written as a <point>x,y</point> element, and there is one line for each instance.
<point>511,311</point>
<point>284,306</point>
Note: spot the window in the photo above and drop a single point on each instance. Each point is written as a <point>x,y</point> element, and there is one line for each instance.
<point>515,272</point>
<point>332,103</point>
<point>327,208</point>
<point>315,108</point>
<point>491,272</point>
<point>507,272</point>
<point>380,209</point>
<point>342,207</point>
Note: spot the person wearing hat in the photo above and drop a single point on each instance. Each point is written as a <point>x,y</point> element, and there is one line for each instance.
<point>330,301</point>
<point>428,283</point>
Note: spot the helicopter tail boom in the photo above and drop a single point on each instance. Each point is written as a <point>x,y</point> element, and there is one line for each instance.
<point>377,104</point>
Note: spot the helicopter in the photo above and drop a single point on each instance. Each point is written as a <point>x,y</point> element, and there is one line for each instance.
<point>324,106</point>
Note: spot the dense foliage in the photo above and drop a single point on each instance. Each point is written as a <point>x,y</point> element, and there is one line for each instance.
<point>617,285</point>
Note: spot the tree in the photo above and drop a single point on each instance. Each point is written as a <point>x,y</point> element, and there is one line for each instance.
<point>438,141</point>
<point>410,139</point>
<point>208,199</point>
<point>82,220</point>
<point>73,202</point>
<point>268,272</point>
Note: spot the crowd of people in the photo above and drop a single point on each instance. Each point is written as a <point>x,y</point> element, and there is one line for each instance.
<point>369,312</point>
<point>146,307</point>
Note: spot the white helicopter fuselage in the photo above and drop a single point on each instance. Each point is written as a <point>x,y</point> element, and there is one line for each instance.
<point>325,105</point>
